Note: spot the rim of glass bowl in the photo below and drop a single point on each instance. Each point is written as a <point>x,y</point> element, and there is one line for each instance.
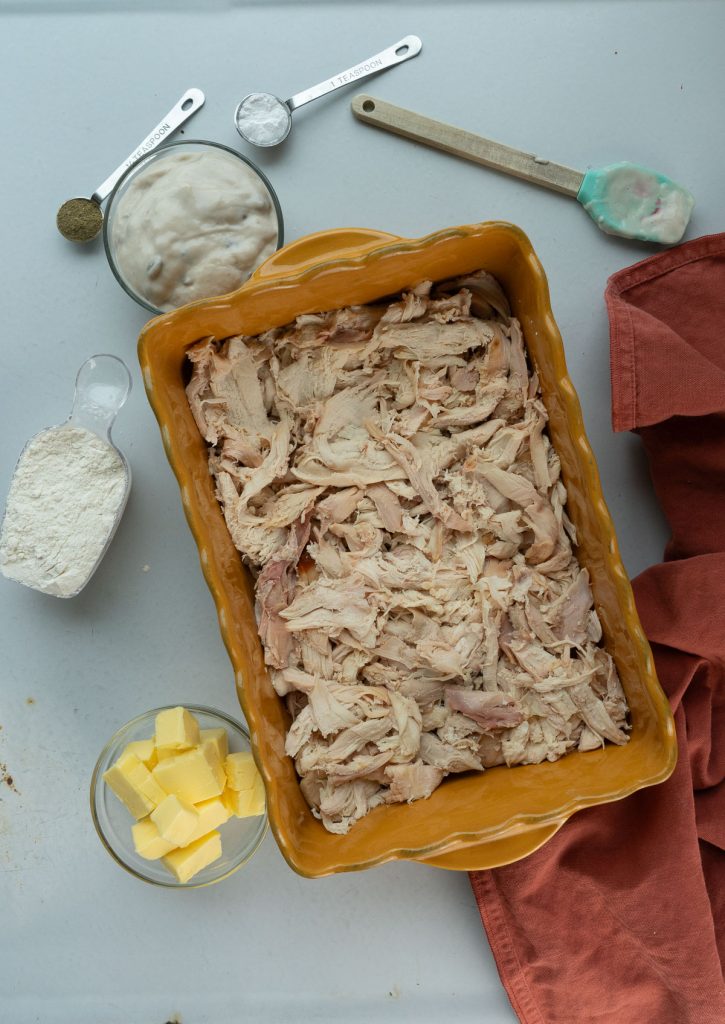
<point>136,168</point>
<point>97,780</point>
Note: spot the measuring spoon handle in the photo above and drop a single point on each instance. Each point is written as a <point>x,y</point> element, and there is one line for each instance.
<point>189,103</point>
<point>468,145</point>
<point>405,49</point>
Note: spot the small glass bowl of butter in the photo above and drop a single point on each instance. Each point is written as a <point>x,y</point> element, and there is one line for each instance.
<point>131,827</point>
<point>191,220</point>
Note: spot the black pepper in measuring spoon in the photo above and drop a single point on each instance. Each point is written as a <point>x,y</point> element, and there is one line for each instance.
<point>81,219</point>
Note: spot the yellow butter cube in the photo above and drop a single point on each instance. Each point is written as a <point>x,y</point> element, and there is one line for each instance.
<point>176,728</point>
<point>144,750</point>
<point>193,776</point>
<point>246,803</point>
<point>219,738</point>
<point>175,820</point>
<point>212,813</point>
<point>147,841</point>
<point>134,785</point>
<point>163,752</point>
<point>210,750</point>
<point>231,798</point>
<point>136,802</point>
<point>241,771</point>
<point>186,863</point>
<point>142,778</point>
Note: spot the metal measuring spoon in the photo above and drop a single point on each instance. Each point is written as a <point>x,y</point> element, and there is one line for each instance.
<point>81,219</point>
<point>266,120</point>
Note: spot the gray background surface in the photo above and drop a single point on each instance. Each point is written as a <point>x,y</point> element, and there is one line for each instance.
<point>583,83</point>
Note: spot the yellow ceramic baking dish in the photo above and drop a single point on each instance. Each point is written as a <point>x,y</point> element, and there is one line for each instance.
<point>479,820</point>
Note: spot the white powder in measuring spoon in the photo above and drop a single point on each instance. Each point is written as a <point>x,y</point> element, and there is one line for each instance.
<point>64,497</point>
<point>262,119</point>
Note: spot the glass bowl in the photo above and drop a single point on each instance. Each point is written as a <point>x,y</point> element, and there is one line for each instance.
<point>240,836</point>
<point>111,228</point>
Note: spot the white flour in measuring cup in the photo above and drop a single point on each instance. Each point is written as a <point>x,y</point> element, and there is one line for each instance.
<point>67,491</point>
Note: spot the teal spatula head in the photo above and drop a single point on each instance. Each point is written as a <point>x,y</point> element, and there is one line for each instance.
<point>634,202</point>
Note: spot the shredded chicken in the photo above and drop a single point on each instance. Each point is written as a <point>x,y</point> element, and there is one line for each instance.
<point>386,473</point>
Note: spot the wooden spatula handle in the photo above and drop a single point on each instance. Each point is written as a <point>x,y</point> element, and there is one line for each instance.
<point>466,144</point>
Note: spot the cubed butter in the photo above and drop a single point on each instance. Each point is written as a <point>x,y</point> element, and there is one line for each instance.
<point>175,820</point>
<point>212,813</point>
<point>219,738</point>
<point>241,771</point>
<point>136,802</point>
<point>186,863</point>
<point>134,785</point>
<point>144,750</point>
<point>147,841</point>
<point>181,786</point>
<point>177,729</point>
<point>142,778</point>
<point>246,803</point>
<point>210,750</point>
<point>193,776</point>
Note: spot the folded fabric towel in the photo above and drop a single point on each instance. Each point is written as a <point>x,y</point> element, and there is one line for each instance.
<point>620,918</point>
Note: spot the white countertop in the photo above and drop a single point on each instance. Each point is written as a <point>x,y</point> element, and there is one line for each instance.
<point>584,84</point>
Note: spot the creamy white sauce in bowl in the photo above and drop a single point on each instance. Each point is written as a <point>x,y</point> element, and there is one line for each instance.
<point>190,221</point>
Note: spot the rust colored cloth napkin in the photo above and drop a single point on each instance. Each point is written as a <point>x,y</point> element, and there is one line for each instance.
<point>620,918</point>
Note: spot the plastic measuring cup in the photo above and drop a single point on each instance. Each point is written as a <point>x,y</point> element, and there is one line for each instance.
<point>46,564</point>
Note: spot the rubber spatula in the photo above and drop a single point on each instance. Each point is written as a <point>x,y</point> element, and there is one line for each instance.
<point>622,199</point>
